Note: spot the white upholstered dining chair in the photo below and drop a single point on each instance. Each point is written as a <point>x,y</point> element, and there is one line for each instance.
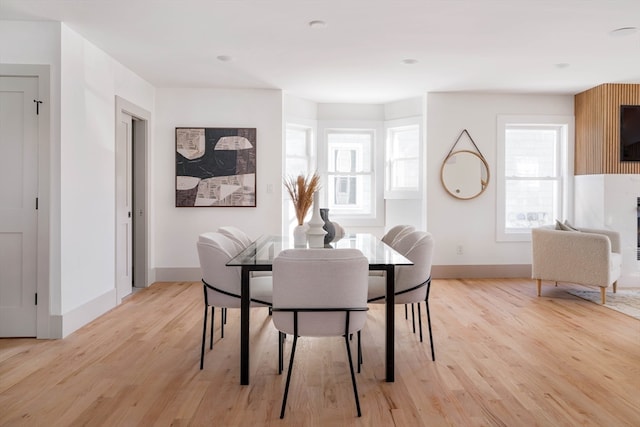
<point>319,293</point>
<point>395,231</point>
<point>412,282</point>
<point>221,284</point>
<point>236,235</point>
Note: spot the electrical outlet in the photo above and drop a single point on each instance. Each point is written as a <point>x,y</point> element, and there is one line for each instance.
<point>459,250</point>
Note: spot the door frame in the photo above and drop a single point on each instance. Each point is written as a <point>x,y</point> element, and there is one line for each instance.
<point>46,182</point>
<point>141,128</point>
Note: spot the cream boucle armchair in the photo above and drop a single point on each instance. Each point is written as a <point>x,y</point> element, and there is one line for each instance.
<point>588,257</point>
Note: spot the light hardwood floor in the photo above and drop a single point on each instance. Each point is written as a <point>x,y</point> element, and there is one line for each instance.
<point>504,357</point>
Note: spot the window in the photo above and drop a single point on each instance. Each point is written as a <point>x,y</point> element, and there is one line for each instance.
<point>298,150</point>
<point>350,179</point>
<point>299,160</point>
<point>533,169</point>
<point>402,160</point>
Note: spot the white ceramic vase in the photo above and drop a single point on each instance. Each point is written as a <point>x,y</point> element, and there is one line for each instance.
<point>315,233</point>
<point>300,236</point>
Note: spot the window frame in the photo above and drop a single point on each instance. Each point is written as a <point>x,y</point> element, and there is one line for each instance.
<point>288,217</point>
<point>376,217</point>
<point>564,169</point>
<point>310,152</point>
<point>402,193</point>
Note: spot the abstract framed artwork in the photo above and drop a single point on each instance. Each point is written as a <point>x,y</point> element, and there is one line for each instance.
<point>215,167</point>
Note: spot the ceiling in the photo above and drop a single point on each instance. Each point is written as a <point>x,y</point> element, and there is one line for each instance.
<point>521,46</point>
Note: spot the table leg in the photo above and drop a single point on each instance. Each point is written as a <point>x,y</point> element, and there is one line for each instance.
<point>390,324</point>
<point>244,326</point>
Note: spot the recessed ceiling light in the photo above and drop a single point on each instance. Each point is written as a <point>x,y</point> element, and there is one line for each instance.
<point>224,58</point>
<point>317,24</point>
<point>562,65</point>
<point>409,61</point>
<point>623,32</point>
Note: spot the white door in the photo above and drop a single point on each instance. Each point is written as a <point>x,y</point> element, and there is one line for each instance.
<point>124,253</point>
<point>18,214</point>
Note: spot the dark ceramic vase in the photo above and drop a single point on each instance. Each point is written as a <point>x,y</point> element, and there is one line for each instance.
<point>328,226</point>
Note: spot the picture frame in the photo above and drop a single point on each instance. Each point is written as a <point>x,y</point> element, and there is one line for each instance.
<point>215,167</point>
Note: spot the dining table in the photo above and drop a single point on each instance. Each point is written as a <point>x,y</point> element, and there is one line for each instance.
<point>259,256</point>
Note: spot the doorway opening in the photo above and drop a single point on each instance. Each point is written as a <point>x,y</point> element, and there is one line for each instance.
<point>132,198</point>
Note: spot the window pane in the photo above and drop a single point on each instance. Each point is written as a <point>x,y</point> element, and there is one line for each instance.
<point>297,166</point>
<point>349,152</point>
<point>345,159</point>
<point>350,194</point>
<point>404,174</point>
<point>530,203</point>
<point>404,143</point>
<point>531,152</point>
<point>296,142</point>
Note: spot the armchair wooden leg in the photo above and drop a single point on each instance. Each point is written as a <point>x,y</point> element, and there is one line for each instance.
<point>615,286</point>
<point>539,282</point>
<point>603,295</point>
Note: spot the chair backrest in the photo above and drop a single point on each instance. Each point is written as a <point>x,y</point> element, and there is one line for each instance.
<point>320,278</point>
<point>405,241</point>
<point>402,234</point>
<point>392,233</point>
<point>236,235</point>
<point>409,276</point>
<point>214,251</point>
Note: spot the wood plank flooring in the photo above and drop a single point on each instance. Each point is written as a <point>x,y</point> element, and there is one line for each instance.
<point>504,357</point>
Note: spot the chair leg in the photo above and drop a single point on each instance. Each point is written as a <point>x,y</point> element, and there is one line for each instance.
<point>413,319</point>
<point>539,283</point>
<point>359,353</point>
<point>280,351</point>
<point>286,387</point>
<point>406,315</point>
<point>426,303</point>
<point>420,322</point>
<point>603,295</point>
<point>204,336</point>
<point>224,320</point>
<point>615,286</point>
<point>353,376</point>
<point>213,314</point>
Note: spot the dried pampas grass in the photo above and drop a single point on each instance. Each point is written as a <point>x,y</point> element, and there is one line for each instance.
<point>301,190</point>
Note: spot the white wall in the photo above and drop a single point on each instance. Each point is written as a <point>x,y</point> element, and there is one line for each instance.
<point>404,108</point>
<point>90,80</point>
<point>84,83</point>
<point>299,108</point>
<point>610,202</point>
<point>471,223</point>
<point>177,229</point>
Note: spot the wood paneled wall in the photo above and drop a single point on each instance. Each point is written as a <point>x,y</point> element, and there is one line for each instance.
<point>597,112</point>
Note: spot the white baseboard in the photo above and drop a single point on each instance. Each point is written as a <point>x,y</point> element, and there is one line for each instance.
<point>178,274</point>
<point>66,324</point>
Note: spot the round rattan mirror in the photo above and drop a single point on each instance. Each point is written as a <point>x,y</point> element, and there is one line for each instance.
<point>465,174</point>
